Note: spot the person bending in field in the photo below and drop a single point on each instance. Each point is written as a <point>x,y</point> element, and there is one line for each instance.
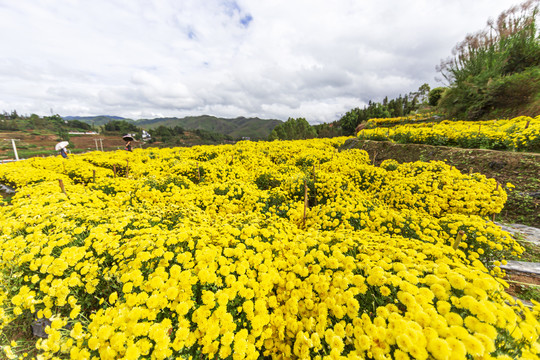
<point>128,146</point>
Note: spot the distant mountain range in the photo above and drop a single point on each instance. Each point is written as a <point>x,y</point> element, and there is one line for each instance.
<point>96,120</point>
<point>253,128</point>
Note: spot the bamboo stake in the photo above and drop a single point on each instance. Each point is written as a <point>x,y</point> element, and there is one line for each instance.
<point>496,188</point>
<point>315,184</point>
<point>114,170</point>
<point>374,157</point>
<point>305,202</point>
<point>61,183</point>
<point>458,239</point>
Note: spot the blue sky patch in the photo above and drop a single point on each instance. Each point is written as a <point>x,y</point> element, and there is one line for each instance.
<point>246,20</point>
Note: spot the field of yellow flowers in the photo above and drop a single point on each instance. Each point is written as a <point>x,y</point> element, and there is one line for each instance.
<point>517,134</point>
<point>281,250</point>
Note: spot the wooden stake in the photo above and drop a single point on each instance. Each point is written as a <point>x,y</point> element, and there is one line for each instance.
<point>94,176</point>
<point>458,239</point>
<point>526,126</point>
<point>114,170</point>
<point>305,202</point>
<point>61,183</point>
<point>374,157</point>
<point>470,170</point>
<point>496,188</point>
<point>315,185</point>
<point>127,168</point>
<point>198,171</point>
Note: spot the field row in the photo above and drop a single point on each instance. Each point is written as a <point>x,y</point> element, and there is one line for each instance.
<point>282,249</point>
<point>518,134</point>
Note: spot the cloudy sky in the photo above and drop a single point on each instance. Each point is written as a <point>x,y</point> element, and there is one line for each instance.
<point>267,58</point>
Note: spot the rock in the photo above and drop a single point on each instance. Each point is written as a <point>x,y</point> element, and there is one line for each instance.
<point>529,233</point>
<point>349,144</point>
<point>38,328</point>
<point>527,303</point>
<point>6,189</point>
<point>522,266</point>
<point>497,165</point>
<point>535,194</point>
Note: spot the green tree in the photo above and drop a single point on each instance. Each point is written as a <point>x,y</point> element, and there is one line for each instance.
<point>328,130</point>
<point>435,95</point>
<point>54,120</point>
<point>422,93</point>
<point>350,120</point>
<point>120,127</point>
<point>293,129</point>
<point>354,117</point>
<point>77,124</point>
<point>508,46</point>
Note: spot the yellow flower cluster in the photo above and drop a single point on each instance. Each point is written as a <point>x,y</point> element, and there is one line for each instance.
<point>414,118</point>
<point>290,250</point>
<point>520,133</point>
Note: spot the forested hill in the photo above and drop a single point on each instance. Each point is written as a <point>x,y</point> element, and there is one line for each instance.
<point>238,127</point>
<point>96,120</point>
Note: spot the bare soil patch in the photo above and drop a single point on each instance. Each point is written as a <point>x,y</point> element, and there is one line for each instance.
<point>31,144</point>
<point>523,286</point>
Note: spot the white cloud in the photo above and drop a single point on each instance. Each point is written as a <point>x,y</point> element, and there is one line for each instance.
<point>270,58</point>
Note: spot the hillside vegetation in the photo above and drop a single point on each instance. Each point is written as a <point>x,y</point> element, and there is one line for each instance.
<point>235,128</point>
<point>496,72</point>
<point>239,127</point>
<point>493,74</point>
